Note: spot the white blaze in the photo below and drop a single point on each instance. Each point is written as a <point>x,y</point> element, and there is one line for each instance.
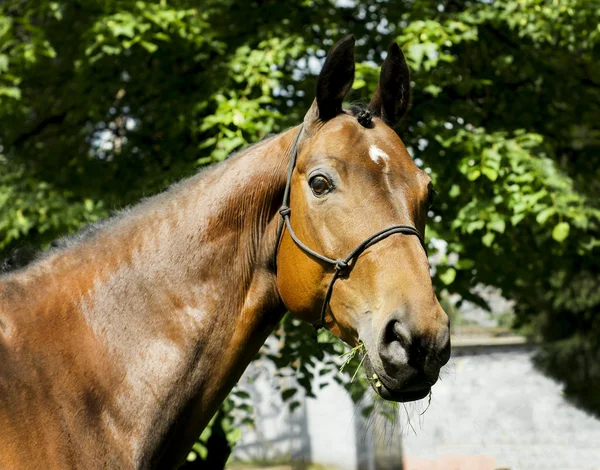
<point>378,155</point>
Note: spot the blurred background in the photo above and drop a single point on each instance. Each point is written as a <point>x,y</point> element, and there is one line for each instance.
<point>103,102</point>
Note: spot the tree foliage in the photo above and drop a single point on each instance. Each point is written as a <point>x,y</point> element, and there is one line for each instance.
<point>103,102</point>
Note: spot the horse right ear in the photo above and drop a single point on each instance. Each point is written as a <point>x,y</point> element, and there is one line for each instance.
<point>392,96</point>
<point>334,82</point>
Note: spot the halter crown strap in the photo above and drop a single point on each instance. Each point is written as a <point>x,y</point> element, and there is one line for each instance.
<point>340,266</point>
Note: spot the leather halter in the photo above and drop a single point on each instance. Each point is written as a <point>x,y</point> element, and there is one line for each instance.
<point>341,265</point>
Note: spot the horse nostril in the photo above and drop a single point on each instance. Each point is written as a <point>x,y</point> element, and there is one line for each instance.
<point>417,355</point>
<point>411,357</point>
<point>402,344</point>
<point>397,332</point>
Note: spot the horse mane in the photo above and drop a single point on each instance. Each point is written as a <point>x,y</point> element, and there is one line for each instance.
<point>25,255</point>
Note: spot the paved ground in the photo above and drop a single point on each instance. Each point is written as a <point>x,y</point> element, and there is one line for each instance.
<point>499,406</point>
<point>452,462</point>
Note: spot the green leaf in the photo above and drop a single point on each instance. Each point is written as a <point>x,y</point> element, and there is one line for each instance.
<point>433,90</point>
<point>561,231</point>
<point>515,219</point>
<point>497,225</point>
<point>491,174</point>
<point>464,263</point>
<point>150,47</point>
<point>366,411</point>
<point>358,84</point>
<point>454,191</point>
<point>3,63</point>
<point>289,393</point>
<point>475,225</point>
<point>448,276</point>
<point>488,238</point>
<point>11,92</point>
<point>472,175</point>
<point>162,37</point>
<point>234,435</point>
<point>545,214</point>
<point>242,394</point>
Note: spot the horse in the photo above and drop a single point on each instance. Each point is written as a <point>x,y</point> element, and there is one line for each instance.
<point>117,347</point>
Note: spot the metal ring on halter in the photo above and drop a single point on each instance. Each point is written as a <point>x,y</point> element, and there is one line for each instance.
<point>340,265</point>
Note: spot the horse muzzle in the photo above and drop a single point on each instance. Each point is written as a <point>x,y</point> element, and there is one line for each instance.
<point>404,364</point>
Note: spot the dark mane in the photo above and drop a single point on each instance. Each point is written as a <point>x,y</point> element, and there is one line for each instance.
<point>17,258</point>
<point>356,108</point>
<point>26,254</point>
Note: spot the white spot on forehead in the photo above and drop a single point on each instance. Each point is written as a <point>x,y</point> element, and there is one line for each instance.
<point>378,155</point>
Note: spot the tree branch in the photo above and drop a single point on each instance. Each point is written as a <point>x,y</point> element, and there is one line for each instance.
<point>56,119</point>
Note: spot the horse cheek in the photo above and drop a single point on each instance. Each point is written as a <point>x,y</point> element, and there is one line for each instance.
<point>297,282</point>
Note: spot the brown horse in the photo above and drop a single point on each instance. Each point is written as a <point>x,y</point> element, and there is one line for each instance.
<point>117,348</point>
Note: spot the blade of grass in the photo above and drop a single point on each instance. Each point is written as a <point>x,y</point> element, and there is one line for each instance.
<point>349,355</point>
<point>358,368</point>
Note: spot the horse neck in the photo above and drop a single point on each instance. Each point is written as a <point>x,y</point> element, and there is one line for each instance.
<point>175,297</point>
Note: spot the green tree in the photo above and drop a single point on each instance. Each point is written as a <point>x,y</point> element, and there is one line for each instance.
<point>103,102</point>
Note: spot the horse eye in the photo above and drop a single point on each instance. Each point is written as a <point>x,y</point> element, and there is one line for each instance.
<point>319,185</point>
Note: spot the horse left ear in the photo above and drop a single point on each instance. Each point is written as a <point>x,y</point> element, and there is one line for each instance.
<point>334,82</point>
<point>392,96</point>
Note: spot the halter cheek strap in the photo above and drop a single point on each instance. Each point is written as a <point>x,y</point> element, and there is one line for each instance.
<point>340,266</point>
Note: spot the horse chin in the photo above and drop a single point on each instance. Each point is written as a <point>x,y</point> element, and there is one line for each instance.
<point>402,397</point>
<point>390,394</point>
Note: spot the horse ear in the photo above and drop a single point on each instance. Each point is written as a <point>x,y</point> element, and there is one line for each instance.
<point>334,82</point>
<point>391,98</point>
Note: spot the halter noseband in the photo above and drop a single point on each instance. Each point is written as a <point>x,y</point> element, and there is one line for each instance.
<point>340,265</point>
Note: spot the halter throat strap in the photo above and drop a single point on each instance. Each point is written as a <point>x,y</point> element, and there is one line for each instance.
<point>341,266</point>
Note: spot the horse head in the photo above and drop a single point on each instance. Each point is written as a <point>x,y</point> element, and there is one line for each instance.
<point>355,259</point>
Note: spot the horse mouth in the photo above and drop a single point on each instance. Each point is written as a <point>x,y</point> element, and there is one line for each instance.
<point>402,397</point>
<point>389,393</point>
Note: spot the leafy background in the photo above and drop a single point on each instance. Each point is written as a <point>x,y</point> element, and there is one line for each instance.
<point>103,102</point>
